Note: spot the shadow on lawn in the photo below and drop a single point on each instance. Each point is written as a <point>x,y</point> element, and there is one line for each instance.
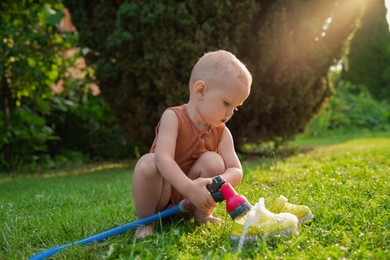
<point>72,171</point>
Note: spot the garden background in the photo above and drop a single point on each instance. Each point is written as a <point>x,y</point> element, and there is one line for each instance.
<point>83,85</point>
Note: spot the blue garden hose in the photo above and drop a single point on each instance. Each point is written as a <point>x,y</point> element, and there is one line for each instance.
<point>183,206</point>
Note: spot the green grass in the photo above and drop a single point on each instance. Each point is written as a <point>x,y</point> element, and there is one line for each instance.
<point>345,184</point>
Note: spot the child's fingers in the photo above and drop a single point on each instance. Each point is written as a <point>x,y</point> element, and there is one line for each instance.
<point>212,202</point>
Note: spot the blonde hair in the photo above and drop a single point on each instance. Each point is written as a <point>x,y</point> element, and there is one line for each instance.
<point>219,65</point>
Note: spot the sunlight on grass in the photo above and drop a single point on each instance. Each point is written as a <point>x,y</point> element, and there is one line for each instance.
<point>337,138</point>
<point>86,169</point>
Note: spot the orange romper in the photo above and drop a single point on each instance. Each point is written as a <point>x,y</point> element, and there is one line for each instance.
<point>191,143</point>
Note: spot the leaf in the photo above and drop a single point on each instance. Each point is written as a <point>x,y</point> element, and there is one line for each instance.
<point>53,18</point>
<point>31,118</point>
<point>31,62</point>
<point>42,104</point>
<point>54,73</point>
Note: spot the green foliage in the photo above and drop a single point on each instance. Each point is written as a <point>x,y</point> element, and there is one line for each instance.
<point>28,133</point>
<point>32,52</point>
<point>71,134</point>
<point>295,45</point>
<point>144,52</point>
<point>369,56</point>
<point>344,184</point>
<point>88,128</point>
<point>352,108</point>
<point>42,126</point>
<point>32,47</point>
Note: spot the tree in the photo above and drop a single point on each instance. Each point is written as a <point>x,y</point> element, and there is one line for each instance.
<point>368,61</point>
<point>295,43</point>
<point>144,52</point>
<point>32,60</point>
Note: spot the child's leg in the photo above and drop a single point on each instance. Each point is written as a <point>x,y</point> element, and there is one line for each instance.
<point>209,165</point>
<point>150,191</point>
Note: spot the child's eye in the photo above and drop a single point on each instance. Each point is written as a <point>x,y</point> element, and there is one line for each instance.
<point>226,104</point>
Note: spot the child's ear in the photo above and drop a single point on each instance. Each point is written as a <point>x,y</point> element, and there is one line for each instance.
<point>200,89</point>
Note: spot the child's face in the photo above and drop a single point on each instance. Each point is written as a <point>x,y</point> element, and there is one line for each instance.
<point>221,100</point>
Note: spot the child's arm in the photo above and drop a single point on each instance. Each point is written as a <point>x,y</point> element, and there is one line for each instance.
<point>233,173</point>
<point>195,191</point>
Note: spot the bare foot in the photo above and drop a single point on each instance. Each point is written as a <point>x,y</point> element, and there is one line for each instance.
<point>210,219</point>
<point>144,231</point>
<point>206,218</point>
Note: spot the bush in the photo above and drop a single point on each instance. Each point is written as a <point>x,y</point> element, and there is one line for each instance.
<point>29,135</point>
<point>71,133</point>
<point>352,108</point>
<point>369,55</point>
<point>89,128</point>
<point>47,108</point>
<point>144,52</point>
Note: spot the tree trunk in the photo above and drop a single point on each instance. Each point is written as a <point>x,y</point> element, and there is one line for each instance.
<point>7,149</point>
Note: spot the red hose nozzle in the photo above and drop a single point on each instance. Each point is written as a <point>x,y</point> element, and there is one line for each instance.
<point>236,204</point>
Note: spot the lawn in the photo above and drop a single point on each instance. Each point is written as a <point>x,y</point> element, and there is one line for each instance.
<point>345,183</point>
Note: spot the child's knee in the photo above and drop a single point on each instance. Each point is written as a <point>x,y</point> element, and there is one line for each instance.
<point>213,164</point>
<point>146,165</point>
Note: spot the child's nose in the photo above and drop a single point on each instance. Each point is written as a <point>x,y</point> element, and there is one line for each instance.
<point>230,112</point>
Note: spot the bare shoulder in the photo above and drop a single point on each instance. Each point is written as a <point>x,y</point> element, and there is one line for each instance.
<point>167,134</point>
<point>169,124</point>
<point>168,117</point>
<point>227,135</point>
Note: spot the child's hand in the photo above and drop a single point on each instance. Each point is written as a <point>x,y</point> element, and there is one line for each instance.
<point>199,195</point>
